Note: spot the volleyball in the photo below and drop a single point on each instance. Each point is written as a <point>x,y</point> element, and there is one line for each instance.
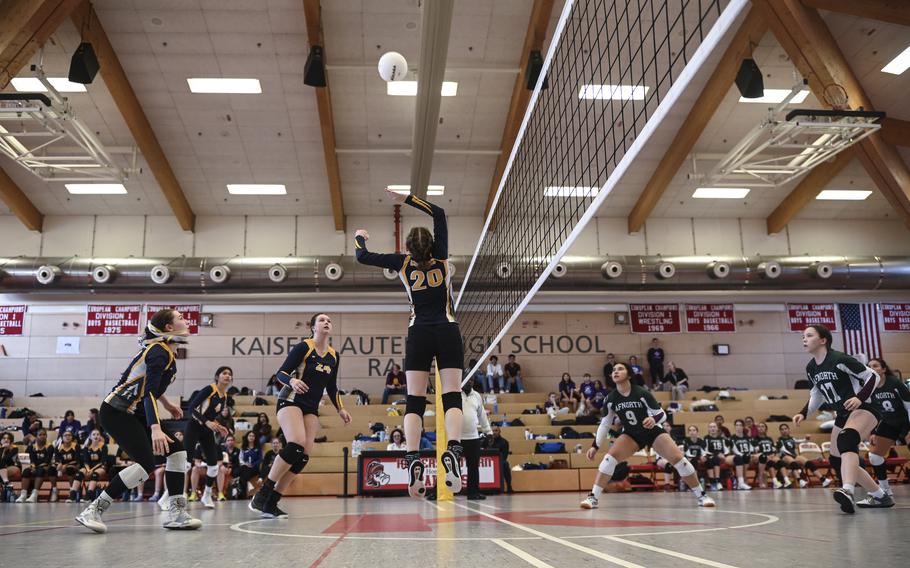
<point>393,66</point>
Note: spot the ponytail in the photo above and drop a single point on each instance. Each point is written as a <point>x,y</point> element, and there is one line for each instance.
<point>420,244</point>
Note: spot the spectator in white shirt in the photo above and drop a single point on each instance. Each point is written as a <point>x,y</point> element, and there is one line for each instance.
<point>475,416</point>
<point>494,373</point>
<point>396,441</point>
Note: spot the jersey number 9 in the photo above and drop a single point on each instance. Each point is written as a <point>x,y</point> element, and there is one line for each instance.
<point>420,279</point>
<point>630,416</point>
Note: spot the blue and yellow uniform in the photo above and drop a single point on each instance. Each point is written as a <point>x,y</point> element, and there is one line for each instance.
<point>319,372</point>
<point>146,378</point>
<point>205,405</point>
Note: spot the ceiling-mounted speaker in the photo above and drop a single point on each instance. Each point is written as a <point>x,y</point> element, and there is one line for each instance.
<point>314,70</point>
<point>749,80</point>
<point>532,71</point>
<point>84,64</point>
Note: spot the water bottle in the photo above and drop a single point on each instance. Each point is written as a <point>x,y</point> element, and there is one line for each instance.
<point>528,434</point>
<point>495,407</point>
<point>2,412</point>
<point>577,448</point>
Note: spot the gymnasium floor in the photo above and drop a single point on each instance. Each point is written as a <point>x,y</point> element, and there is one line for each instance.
<point>761,528</point>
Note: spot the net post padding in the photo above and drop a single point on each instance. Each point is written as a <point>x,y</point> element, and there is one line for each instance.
<point>711,42</point>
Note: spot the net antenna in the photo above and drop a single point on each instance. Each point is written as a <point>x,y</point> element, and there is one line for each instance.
<point>615,69</point>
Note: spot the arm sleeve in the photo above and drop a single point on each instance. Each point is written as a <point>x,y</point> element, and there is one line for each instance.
<point>604,427</point>
<point>440,228</point>
<point>863,374</point>
<point>156,361</point>
<point>654,409</point>
<point>291,362</point>
<point>815,401</point>
<point>392,261</point>
<point>196,402</point>
<point>331,388</point>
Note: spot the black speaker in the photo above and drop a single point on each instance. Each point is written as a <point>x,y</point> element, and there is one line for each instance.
<point>749,80</point>
<point>532,72</point>
<point>84,64</point>
<point>314,70</point>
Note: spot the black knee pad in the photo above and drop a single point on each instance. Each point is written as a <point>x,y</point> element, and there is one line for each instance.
<point>620,472</point>
<point>763,459</point>
<point>298,467</point>
<point>669,468</point>
<point>451,400</point>
<point>835,463</point>
<point>740,460</point>
<point>79,476</point>
<point>295,455</point>
<point>811,466</point>
<point>794,466</point>
<point>712,461</point>
<point>51,471</point>
<point>95,476</point>
<point>848,441</point>
<point>416,404</point>
<point>28,473</point>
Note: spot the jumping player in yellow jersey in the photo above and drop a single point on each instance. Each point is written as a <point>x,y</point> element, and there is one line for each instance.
<point>432,332</point>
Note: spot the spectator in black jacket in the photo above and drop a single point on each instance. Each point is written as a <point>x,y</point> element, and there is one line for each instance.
<point>608,371</point>
<point>656,358</point>
<point>30,427</point>
<point>497,442</point>
<point>676,381</point>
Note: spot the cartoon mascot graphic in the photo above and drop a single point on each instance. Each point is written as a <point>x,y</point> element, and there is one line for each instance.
<point>376,475</point>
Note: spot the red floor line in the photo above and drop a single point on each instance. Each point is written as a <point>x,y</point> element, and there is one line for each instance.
<point>331,547</point>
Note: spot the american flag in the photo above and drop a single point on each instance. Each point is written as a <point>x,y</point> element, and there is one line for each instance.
<point>861,334</point>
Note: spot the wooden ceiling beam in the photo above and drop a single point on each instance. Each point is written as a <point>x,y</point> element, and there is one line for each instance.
<point>712,95</point>
<point>25,25</point>
<point>809,43</point>
<point>896,132</point>
<point>313,14</point>
<point>124,97</point>
<point>807,190</point>
<point>894,11</point>
<point>541,13</point>
<point>19,204</point>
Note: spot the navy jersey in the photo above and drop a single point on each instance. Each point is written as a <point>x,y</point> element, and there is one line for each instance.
<point>144,380</point>
<point>207,403</point>
<point>319,373</point>
<point>694,449</point>
<point>94,457</point>
<point>786,446</point>
<point>763,445</point>
<point>893,400</point>
<point>430,289</point>
<point>836,379</point>
<point>69,455</point>
<point>717,445</point>
<point>742,445</point>
<point>41,456</point>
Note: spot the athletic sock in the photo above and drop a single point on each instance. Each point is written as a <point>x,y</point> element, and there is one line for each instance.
<point>884,484</point>
<point>106,498</point>
<point>268,485</point>
<point>849,487</point>
<point>597,491</point>
<point>173,480</point>
<point>878,494</point>
<point>698,490</point>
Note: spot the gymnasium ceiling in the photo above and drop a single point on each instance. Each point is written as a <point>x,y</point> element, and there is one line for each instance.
<point>274,137</point>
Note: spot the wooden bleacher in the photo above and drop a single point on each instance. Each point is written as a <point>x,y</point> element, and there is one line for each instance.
<point>323,475</point>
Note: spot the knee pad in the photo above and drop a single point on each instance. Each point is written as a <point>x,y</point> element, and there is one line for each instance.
<point>28,473</point>
<point>608,465</point>
<point>133,475</point>
<point>79,476</point>
<point>95,476</point>
<point>684,467</point>
<point>811,466</point>
<point>295,456</point>
<point>794,466</point>
<point>762,459</point>
<point>51,471</point>
<point>176,462</point>
<point>834,461</point>
<point>668,468</point>
<point>740,460</point>
<point>415,405</point>
<point>712,461</point>
<point>876,459</point>
<point>451,400</point>
<point>298,467</point>
<point>621,472</point>
<point>211,470</point>
<point>848,441</point>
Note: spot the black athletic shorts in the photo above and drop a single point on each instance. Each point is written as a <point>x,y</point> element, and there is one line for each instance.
<point>890,431</point>
<point>644,437</point>
<point>305,406</point>
<point>842,414</point>
<point>426,341</point>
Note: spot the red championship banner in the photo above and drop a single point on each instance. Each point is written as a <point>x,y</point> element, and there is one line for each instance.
<point>107,319</point>
<point>12,319</point>
<point>654,318</point>
<point>710,318</point>
<point>895,317</point>
<point>802,315</point>
<point>190,313</point>
<point>386,473</point>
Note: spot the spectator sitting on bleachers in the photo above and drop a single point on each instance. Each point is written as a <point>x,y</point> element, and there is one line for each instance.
<point>69,424</point>
<point>269,458</point>
<point>497,442</point>
<point>716,448</point>
<point>512,374</point>
<point>494,375</point>
<point>568,392</point>
<point>719,420</point>
<point>90,424</point>
<point>30,427</point>
<point>224,418</point>
<point>69,461</point>
<point>9,458</point>
<point>608,370</point>
<point>638,377</point>
<point>587,413</point>
<point>586,388</point>
<point>395,383</point>
<point>250,458</point>
<point>273,387</point>
<point>229,468</point>
<point>751,428</point>
<point>396,441</point>
<point>263,429</point>
<point>95,462</point>
<point>676,381</point>
<point>41,466</point>
<point>600,395</point>
<point>553,406</point>
<point>694,447</point>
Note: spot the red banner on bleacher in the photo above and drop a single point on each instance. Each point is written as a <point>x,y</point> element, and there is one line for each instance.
<point>710,318</point>
<point>190,313</point>
<point>654,318</point>
<point>802,315</point>
<point>895,317</point>
<point>12,319</point>
<point>109,319</point>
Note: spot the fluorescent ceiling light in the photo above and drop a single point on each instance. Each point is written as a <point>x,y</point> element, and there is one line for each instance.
<point>721,192</point>
<point>96,188</point>
<point>615,92</point>
<point>33,85</point>
<point>777,96</point>
<point>221,85</point>
<point>844,194</point>
<point>432,190</point>
<point>899,64</point>
<point>256,189</point>
<point>409,88</point>
<point>565,191</point>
